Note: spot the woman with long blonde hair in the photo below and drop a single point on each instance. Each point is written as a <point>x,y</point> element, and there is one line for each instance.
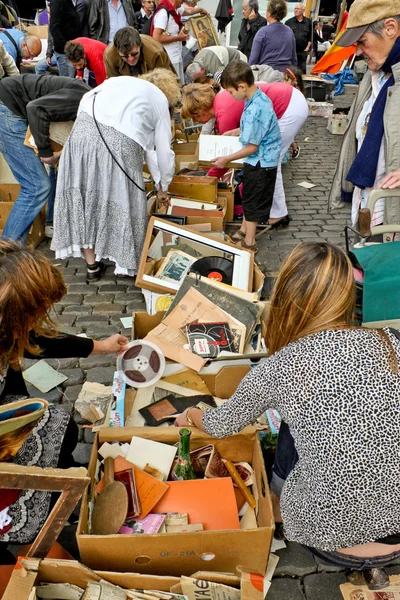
<point>337,389</point>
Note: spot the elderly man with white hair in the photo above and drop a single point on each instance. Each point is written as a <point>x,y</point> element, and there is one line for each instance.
<point>302,29</point>
<point>211,61</point>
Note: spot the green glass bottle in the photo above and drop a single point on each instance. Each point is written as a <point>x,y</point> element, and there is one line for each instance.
<point>183,469</point>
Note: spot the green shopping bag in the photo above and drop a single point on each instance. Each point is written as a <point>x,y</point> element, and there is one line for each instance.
<point>381,291</point>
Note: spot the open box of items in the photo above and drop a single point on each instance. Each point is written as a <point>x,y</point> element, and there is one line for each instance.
<point>53,579</point>
<point>171,526</point>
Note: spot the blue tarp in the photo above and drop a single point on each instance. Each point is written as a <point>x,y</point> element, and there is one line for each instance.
<point>340,78</point>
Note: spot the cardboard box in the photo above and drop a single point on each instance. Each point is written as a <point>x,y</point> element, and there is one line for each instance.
<point>185,553</point>
<point>8,193</point>
<point>337,124</point>
<point>186,155</point>
<point>230,203</point>
<point>319,109</point>
<point>30,572</point>
<point>217,223</point>
<point>41,31</point>
<point>243,260</point>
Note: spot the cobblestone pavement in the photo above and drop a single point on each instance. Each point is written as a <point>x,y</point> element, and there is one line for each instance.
<point>96,309</point>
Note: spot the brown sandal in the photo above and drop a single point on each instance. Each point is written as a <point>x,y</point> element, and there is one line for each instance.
<point>238,236</point>
<point>252,248</point>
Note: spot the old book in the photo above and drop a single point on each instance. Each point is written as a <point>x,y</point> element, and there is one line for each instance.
<point>150,524</point>
<point>210,339</point>
<point>127,478</point>
<point>175,266</point>
<point>243,310</point>
<point>198,307</point>
<point>190,528</point>
<point>159,412</point>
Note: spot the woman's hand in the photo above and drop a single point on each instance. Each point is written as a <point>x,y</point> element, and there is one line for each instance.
<point>181,420</point>
<point>219,163</point>
<point>391,181</point>
<point>115,344</point>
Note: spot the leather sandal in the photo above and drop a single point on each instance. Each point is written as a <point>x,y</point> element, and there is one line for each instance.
<point>238,236</point>
<point>252,247</point>
<point>94,271</point>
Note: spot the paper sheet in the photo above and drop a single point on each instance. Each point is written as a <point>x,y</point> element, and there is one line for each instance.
<point>157,455</point>
<point>43,376</point>
<point>214,146</point>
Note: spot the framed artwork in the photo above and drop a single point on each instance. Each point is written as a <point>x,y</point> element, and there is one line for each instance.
<point>204,31</point>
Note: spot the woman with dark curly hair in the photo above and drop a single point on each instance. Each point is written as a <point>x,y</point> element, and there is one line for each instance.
<point>274,45</point>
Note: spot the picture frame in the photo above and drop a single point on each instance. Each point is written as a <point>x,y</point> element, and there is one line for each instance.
<point>243,260</point>
<point>204,31</point>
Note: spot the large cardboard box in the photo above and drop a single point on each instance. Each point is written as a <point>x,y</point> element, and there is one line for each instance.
<point>217,223</point>
<point>337,124</point>
<point>243,260</point>
<point>30,572</point>
<point>186,155</point>
<point>319,109</point>
<point>185,553</point>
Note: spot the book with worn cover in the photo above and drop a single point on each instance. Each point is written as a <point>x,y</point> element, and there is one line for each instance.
<point>209,339</point>
<point>175,266</point>
<point>158,412</point>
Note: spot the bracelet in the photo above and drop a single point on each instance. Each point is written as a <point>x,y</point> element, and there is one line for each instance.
<point>188,419</point>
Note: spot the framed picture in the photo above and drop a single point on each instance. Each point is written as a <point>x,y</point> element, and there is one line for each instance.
<point>204,31</point>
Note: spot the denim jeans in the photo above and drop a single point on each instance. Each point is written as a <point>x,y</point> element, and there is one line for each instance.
<point>52,195</point>
<point>28,170</point>
<point>64,66</point>
<point>355,563</point>
<point>286,458</point>
<point>43,67</point>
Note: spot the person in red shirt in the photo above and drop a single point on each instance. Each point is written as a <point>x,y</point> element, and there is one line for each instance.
<point>85,53</point>
<point>221,111</point>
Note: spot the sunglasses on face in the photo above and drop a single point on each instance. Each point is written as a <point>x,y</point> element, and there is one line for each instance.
<point>130,54</point>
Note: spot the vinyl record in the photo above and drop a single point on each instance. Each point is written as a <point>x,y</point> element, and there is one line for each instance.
<point>142,364</point>
<point>214,267</point>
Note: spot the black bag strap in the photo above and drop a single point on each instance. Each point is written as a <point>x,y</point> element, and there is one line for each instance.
<point>395,332</point>
<point>108,148</point>
<point>10,37</point>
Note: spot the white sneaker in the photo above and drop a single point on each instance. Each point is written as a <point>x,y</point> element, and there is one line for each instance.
<point>48,231</point>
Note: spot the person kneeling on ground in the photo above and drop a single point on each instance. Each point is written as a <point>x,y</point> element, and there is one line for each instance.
<point>336,467</point>
<point>262,142</point>
<point>29,286</point>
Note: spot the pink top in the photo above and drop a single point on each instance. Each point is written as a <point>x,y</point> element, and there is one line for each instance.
<point>94,51</point>
<point>228,110</point>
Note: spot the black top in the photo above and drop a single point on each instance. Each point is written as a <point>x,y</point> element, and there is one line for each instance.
<point>141,20</point>
<point>302,32</point>
<point>41,99</point>
<point>65,23</point>
<point>247,33</point>
<point>62,347</point>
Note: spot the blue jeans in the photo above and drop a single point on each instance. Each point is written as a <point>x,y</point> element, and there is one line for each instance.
<point>354,562</point>
<point>64,66</point>
<point>43,67</point>
<point>28,170</point>
<point>52,195</point>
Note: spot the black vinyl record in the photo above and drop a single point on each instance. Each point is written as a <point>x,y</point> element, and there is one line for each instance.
<point>214,267</point>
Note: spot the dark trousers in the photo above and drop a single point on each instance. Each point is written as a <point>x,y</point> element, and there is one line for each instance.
<point>302,61</point>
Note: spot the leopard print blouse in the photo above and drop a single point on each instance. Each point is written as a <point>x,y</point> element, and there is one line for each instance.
<point>341,400</point>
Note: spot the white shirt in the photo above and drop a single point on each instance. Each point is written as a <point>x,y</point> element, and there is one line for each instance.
<point>139,110</point>
<point>360,197</point>
<point>164,21</point>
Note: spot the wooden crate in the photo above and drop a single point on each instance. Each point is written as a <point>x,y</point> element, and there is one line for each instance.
<point>8,194</point>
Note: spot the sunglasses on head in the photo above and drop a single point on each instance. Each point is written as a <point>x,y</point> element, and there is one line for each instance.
<point>130,54</point>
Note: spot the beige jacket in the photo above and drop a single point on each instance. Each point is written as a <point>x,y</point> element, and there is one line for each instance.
<point>348,149</point>
<point>153,56</point>
<point>7,64</point>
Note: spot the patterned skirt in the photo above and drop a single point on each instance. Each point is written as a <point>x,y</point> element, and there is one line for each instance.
<point>96,205</point>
